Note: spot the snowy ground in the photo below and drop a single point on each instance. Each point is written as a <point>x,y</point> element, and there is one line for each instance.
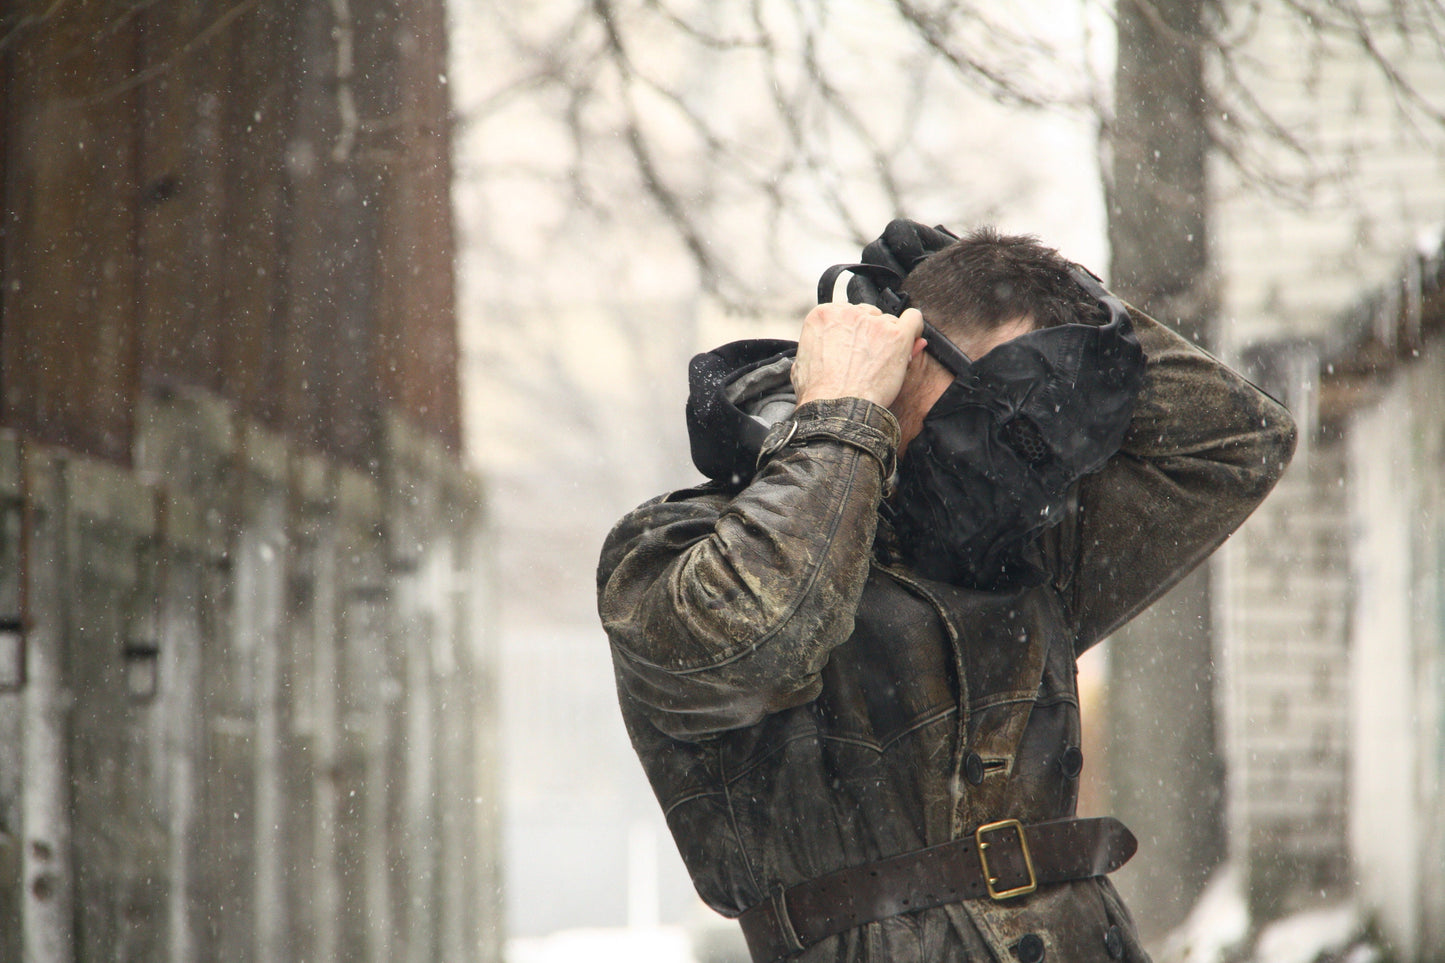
<point>1219,931</point>
<point>660,945</point>
<point>704,941</point>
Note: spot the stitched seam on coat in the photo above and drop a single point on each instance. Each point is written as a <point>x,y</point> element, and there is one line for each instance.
<point>753,762</point>
<point>733,822</point>
<point>868,744</point>
<point>690,797</point>
<point>879,747</point>
<point>960,737</point>
<point>921,723</point>
<point>1003,699</point>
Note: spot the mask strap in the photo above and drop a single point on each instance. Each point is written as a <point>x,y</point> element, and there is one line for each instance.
<point>945,352</point>
<point>1089,281</point>
<point>895,302</point>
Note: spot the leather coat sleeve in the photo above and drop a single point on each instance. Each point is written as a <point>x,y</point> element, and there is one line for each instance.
<point>723,609</point>
<point>1203,450</point>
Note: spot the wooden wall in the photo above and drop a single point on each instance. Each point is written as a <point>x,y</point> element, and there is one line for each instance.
<point>255,716</point>
<point>246,702</point>
<point>250,198</point>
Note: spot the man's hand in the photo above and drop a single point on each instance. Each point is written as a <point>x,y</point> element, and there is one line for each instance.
<point>855,351</point>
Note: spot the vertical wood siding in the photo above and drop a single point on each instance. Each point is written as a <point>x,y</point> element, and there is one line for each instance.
<point>251,199</point>
<point>303,780</point>
<point>229,420</point>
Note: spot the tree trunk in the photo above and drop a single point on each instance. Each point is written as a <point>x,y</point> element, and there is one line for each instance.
<point>1167,775</point>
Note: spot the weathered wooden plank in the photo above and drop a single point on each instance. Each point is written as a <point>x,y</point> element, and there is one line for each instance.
<point>179,174</point>
<point>317,712</point>
<point>328,391</point>
<point>111,596</point>
<point>9,216</point>
<point>415,300</point>
<point>12,716</point>
<point>187,441</point>
<point>256,119</point>
<point>309,698</point>
<point>189,614</point>
<point>47,878</point>
<point>367,689</point>
<point>69,352</point>
<point>259,639</point>
<point>182,176</point>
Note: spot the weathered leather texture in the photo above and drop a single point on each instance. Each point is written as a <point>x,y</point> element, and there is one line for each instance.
<point>801,706</point>
<point>1012,860</point>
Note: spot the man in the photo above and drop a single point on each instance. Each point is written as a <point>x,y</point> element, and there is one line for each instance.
<point>847,661</point>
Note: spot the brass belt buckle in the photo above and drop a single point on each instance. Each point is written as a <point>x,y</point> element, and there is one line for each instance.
<point>988,877</point>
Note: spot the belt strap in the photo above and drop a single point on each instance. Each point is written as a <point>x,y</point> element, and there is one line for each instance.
<point>999,860</point>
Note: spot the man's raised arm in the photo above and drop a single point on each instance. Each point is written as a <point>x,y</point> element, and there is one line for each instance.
<point>722,608</point>
<point>1203,450</point>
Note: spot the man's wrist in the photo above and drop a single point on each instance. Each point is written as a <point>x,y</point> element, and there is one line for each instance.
<point>855,422</point>
<point>838,394</point>
<point>850,408</point>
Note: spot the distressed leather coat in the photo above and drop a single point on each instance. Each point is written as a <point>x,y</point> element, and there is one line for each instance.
<point>800,704</point>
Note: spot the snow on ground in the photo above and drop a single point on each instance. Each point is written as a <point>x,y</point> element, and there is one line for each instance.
<point>1218,930</point>
<point>1217,926</point>
<point>663,944</point>
<point>1309,936</point>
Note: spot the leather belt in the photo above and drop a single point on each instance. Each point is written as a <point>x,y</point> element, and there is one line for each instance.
<point>998,861</point>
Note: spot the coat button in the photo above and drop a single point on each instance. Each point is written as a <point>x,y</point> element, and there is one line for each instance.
<point>973,768</point>
<point>1114,943</point>
<point>1030,949</point>
<point>1072,762</point>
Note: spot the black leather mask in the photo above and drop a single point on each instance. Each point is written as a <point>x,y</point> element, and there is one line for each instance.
<point>997,453</point>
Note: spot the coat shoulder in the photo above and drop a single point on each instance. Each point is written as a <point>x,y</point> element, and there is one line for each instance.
<point>675,518</point>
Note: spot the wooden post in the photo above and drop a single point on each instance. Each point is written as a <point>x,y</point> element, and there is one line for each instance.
<point>47,918</point>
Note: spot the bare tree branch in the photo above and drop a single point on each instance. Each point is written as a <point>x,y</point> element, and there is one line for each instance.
<point>789,140</point>
<point>703,37</point>
<point>933,31</point>
<point>717,279</point>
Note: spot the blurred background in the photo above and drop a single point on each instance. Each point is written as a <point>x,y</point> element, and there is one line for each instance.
<point>335,336</point>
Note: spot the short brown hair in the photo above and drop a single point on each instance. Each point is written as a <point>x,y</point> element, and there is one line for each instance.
<point>987,279</point>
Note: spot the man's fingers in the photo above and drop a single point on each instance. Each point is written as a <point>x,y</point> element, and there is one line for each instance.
<point>854,350</point>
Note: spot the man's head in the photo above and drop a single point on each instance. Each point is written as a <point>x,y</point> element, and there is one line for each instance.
<point>981,291</point>
<point>989,280</point>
